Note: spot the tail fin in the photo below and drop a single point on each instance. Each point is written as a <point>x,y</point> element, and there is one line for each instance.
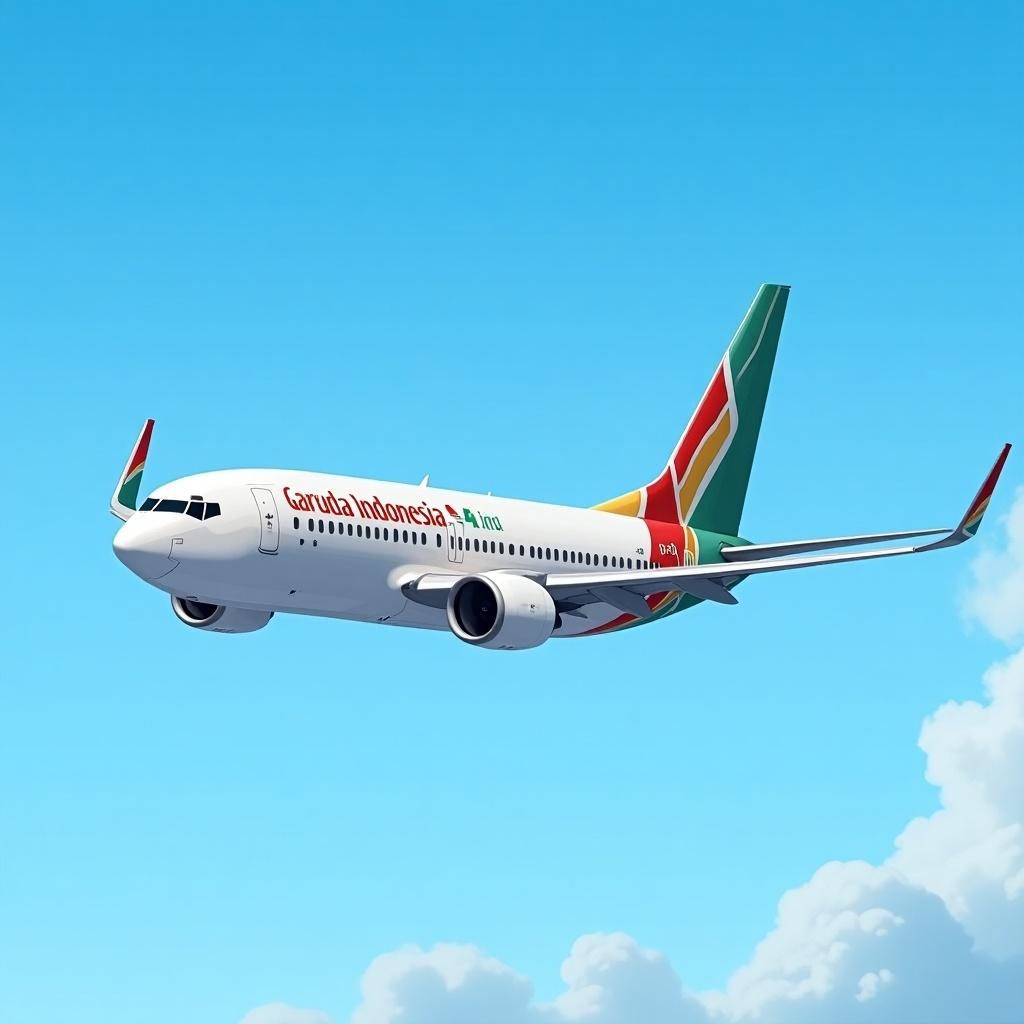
<point>704,483</point>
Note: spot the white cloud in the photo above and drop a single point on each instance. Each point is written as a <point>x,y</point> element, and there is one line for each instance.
<point>867,987</point>
<point>281,1013</point>
<point>852,945</point>
<point>996,599</point>
<point>935,933</point>
<point>856,943</point>
<point>449,983</point>
<point>609,979</point>
<point>971,852</point>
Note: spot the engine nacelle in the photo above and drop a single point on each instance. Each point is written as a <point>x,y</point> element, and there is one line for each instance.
<point>501,611</point>
<point>217,618</point>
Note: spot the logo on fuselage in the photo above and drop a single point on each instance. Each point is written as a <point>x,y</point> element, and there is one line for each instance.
<point>352,506</point>
<point>331,505</point>
<point>477,519</point>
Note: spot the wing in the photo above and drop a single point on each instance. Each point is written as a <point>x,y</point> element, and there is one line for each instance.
<point>711,582</point>
<point>626,590</point>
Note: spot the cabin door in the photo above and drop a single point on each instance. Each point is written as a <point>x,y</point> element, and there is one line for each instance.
<point>269,527</point>
<point>456,540</point>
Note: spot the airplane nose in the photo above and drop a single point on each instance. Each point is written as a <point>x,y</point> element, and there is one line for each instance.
<point>148,549</point>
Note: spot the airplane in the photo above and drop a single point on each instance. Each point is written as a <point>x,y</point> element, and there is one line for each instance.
<point>234,547</point>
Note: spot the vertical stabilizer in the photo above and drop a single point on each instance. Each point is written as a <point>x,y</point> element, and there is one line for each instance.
<point>704,483</point>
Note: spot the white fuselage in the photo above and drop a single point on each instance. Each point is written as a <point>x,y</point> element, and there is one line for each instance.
<point>318,544</point>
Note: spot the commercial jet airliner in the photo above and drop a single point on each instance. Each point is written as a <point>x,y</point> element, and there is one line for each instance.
<point>234,547</point>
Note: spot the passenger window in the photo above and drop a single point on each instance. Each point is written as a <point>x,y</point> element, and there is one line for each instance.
<point>423,538</point>
<point>604,561</point>
<point>629,563</point>
<point>556,554</point>
<point>476,544</point>
<point>385,533</point>
<point>501,547</point>
<point>148,505</point>
<point>532,555</point>
<point>460,543</point>
<point>311,527</point>
<point>492,547</point>
<point>350,529</point>
<point>359,530</point>
<point>414,536</point>
<point>376,533</point>
<point>320,526</point>
<point>330,526</point>
<point>405,536</point>
<point>547,552</point>
<point>522,551</point>
<point>439,540</point>
<point>295,523</point>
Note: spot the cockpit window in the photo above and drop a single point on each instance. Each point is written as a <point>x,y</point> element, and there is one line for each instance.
<point>196,507</point>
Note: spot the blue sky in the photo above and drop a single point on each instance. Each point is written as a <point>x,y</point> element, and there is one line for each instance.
<point>505,245</point>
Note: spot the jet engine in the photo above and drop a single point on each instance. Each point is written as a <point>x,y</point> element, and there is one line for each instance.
<point>217,618</point>
<point>501,611</point>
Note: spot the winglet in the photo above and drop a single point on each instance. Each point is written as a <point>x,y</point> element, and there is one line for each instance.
<point>972,517</point>
<point>126,494</point>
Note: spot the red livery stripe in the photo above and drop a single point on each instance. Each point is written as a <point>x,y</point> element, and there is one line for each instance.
<point>711,405</point>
